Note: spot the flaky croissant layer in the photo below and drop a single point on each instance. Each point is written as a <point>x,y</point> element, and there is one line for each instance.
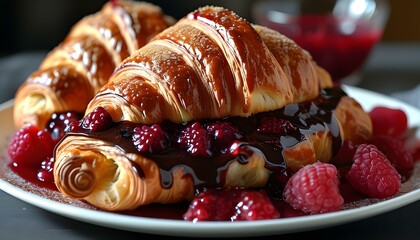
<point>73,72</point>
<point>211,66</point>
<point>106,168</point>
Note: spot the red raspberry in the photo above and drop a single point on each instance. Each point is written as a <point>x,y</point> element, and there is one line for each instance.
<point>395,152</point>
<point>254,205</point>
<point>230,205</point>
<point>45,174</point>
<point>276,126</point>
<point>388,121</point>
<point>314,189</point>
<point>196,140</point>
<point>223,135</point>
<point>372,174</point>
<point>150,139</point>
<point>211,205</point>
<point>97,120</point>
<point>30,146</point>
<point>59,123</point>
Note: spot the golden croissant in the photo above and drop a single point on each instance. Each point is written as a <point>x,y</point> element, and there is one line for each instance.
<point>73,72</point>
<point>213,80</point>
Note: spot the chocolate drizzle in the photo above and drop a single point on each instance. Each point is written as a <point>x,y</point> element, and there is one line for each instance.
<point>308,117</point>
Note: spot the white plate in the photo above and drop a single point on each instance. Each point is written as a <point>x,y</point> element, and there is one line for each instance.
<point>215,229</point>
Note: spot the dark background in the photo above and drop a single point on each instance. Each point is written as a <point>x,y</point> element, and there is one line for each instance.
<point>28,25</point>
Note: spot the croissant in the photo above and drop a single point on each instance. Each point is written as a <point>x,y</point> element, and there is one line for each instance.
<point>73,72</point>
<point>211,69</point>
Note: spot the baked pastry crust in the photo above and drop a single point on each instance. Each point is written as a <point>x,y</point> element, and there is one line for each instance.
<point>223,70</point>
<point>212,64</point>
<point>73,72</point>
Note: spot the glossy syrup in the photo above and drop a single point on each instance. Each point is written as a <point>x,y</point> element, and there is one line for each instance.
<point>307,117</point>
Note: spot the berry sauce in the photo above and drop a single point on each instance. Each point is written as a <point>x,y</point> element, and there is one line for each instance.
<point>205,148</point>
<point>210,170</point>
<point>31,149</point>
<point>328,43</point>
<point>34,175</point>
<point>268,132</point>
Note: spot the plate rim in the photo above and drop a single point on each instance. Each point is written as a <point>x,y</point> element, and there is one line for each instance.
<point>217,229</point>
<point>207,229</point>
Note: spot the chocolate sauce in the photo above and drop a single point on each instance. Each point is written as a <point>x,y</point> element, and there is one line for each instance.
<point>308,117</point>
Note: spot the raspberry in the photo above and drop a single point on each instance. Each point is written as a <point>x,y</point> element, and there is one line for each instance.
<point>230,205</point>
<point>73,127</point>
<point>48,164</point>
<point>314,189</point>
<point>275,125</point>
<point>30,146</point>
<point>45,174</point>
<point>97,120</point>
<point>150,139</point>
<point>211,205</point>
<point>195,140</point>
<point>388,121</point>
<point>59,122</point>
<point>372,174</point>
<point>223,135</point>
<point>254,205</point>
<point>394,150</point>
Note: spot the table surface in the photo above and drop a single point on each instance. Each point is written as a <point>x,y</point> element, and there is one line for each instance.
<point>391,68</point>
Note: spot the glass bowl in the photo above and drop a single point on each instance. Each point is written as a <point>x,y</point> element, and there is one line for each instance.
<point>339,34</point>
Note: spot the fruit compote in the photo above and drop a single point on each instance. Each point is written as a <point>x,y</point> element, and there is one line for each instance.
<point>31,149</point>
<point>339,45</point>
<point>314,189</point>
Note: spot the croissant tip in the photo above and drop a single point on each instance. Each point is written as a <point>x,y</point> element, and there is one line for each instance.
<point>215,8</point>
<point>131,5</point>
